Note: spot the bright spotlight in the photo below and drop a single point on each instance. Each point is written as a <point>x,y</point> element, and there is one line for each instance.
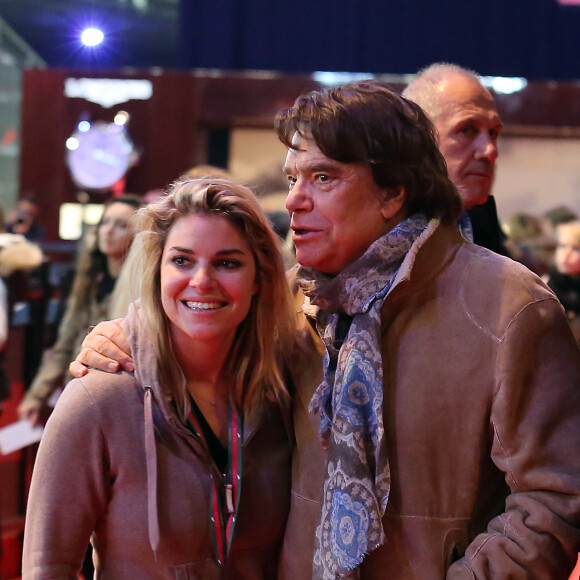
<point>72,143</point>
<point>84,126</point>
<point>92,37</point>
<point>505,85</point>
<point>121,118</point>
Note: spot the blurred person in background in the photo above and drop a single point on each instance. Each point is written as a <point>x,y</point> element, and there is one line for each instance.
<point>564,277</point>
<point>555,216</point>
<point>97,270</point>
<point>468,128</point>
<point>560,215</point>
<point>205,170</point>
<point>23,219</point>
<point>16,255</point>
<point>529,244</point>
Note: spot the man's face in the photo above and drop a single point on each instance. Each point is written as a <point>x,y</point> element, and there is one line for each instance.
<point>337,209</point>
<point>468,127</point>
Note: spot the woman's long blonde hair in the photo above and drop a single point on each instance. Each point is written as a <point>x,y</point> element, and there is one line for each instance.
<point>264,341</point>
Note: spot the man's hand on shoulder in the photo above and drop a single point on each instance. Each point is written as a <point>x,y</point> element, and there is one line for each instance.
<point>105,348</point>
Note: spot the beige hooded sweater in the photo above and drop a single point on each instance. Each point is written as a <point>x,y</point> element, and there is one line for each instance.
<point>95,474</point>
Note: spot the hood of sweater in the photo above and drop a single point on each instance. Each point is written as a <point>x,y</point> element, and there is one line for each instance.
<point>145,359</point>
<point>147,375</point>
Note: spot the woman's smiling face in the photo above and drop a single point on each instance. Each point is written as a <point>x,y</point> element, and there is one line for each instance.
<point>208,278</point>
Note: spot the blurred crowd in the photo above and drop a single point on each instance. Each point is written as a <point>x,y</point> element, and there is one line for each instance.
<point>549,245</point>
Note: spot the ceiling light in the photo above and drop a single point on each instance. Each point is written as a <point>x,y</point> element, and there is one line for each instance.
<point>92,36</point>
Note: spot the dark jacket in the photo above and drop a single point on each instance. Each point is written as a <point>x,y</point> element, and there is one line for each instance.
<point>567,289</point>
<point>486,227</point>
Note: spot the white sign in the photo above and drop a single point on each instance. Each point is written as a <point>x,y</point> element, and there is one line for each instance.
<point>108,92</point>
<point>18,435</point>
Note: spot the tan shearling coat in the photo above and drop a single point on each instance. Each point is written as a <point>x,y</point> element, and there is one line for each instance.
<point>482,418</point>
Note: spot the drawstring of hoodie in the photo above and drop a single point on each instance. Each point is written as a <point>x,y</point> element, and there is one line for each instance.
<point>223,528</point>
<point>151,460</point>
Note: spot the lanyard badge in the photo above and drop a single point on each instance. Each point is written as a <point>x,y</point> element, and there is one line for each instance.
<point>223,525</point>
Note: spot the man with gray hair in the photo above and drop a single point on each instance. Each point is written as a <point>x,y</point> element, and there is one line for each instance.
<point>468,126</point>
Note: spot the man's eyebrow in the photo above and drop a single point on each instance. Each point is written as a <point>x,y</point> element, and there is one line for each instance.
<point>476,117</point>
<point>319,167</point>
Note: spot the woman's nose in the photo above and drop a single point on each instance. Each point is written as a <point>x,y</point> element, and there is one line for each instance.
<point>104,230</point>
<point>201,278</point>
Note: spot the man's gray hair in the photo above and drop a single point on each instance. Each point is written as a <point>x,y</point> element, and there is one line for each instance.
<point>422,90</point>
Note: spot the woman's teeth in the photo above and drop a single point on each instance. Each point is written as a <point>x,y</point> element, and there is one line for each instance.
<point>203,305</point>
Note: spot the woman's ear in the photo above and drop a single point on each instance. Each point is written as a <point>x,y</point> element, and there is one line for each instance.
<point>393,202</point>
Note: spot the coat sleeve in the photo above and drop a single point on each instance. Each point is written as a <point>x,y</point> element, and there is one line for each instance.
<point>535,417</point>
<point>55,360</point>
<point>69,488</point>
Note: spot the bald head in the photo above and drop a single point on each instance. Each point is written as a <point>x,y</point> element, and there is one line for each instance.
<point>427,87</point>
<point>468,126</point>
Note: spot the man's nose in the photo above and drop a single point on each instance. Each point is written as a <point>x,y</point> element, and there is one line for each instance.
<point>486,147</point>
<point>299,197</point>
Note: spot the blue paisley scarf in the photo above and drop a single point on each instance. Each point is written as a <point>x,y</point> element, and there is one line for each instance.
<point>350,400</point>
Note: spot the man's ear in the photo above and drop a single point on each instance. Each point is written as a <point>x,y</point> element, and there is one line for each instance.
<point>393,202</point>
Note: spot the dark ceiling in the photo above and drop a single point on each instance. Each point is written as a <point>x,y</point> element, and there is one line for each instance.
<point>139,33</point>
<point>535,39</point>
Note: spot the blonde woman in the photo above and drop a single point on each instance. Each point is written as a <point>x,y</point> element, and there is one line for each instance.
<point>182,468</point>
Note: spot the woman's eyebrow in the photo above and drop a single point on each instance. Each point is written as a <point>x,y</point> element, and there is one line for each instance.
<point>225,251</point>
<point>230,251</point>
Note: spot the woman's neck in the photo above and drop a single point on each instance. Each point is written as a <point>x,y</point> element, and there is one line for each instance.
<point>203,364</point>
<point>208,384</point>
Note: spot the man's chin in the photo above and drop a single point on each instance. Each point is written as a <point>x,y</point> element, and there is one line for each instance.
<point>315,262</point>
<point>305,259</point>
<point>472,198</point>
